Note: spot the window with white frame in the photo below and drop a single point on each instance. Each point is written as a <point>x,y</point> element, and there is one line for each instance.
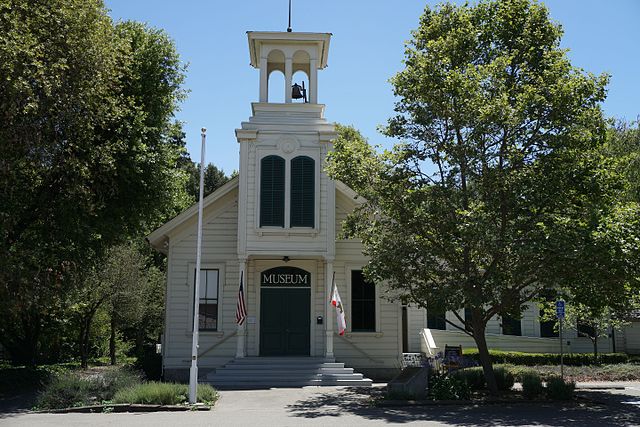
<point>363,303</point>
<point>208,299</point>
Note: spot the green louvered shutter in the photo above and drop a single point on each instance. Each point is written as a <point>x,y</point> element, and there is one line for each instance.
<point>302,192</point>
<point>272,192</point>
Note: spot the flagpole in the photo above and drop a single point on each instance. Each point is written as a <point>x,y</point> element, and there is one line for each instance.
<point>193,372</point>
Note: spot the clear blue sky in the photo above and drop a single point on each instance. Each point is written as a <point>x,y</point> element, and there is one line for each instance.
<point>366,50</point>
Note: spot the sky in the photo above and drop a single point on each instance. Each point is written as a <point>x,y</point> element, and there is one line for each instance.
<point>366,49</point>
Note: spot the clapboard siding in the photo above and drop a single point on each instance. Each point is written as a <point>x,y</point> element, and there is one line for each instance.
<point>219,243</point>
<point>520,343</point>
<point>379,349</point>
<point>632,338</point>
<point>416,321</point>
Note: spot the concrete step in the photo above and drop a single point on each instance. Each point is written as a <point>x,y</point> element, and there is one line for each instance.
<point>266,372</point>
<point>284,366</point>
<point>293,371</point>
<point>256,384</point>
<point>289,360</point>
<point>284,375</point>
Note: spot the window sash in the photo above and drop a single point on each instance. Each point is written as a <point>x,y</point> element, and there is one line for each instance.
<point>363,304</point>
<point>436,320</point>
<point>272,190</point>
<point>302,206</point>
<point>208,299</point>
<point>511,326</point>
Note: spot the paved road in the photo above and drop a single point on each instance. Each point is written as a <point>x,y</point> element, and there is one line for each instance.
<point>325,406</point>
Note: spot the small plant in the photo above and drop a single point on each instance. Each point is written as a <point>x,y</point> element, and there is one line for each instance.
<point>504,378</point>
<point>448,387</point>
<point>531,385</point>
<point>157,393</point>
<point>558,389</point>
<point>473,377</point>
<point>116,379</point>
<point>65,391</point>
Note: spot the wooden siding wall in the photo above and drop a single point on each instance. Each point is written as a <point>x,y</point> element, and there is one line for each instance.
<point>530,341</point>
<point>219,245</point>
<point>380,349</point>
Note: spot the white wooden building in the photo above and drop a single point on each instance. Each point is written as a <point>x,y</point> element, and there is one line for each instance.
<point>276,225</point>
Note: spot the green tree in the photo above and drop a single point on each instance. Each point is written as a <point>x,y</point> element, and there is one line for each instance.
<point>591,322</point>
<point>499,185</point>
<point>623,144</point>
<point>213,179</point>
<point>87,156</point>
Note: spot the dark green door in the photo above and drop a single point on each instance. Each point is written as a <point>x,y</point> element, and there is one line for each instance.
<point>284,321</point>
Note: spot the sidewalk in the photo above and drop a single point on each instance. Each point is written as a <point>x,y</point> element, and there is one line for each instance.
<point>322,406</point>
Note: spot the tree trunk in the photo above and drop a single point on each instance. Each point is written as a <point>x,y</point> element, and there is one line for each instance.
<point>84,343</point>
<point>595,350</point>
<point>112,340</point>
<point>85,331</point>
<point>485,359</point>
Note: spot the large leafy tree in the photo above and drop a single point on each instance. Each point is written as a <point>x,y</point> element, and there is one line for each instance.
<point>499,186</point>
<point>87,153</point>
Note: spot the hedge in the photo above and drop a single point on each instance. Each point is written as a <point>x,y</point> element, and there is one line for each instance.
<point>533,359</point>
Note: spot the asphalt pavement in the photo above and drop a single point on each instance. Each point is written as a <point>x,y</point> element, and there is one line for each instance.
<point>341,406</point>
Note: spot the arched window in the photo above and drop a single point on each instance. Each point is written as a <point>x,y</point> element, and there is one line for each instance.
<point>272,192</point>
<point>302,192</point>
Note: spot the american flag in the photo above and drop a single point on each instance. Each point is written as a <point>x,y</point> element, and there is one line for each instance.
<point>241,307</point>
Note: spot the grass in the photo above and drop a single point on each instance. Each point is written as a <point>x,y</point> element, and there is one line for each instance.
<point>158,393</point>
<point>114,385</point>
<point>78,388</point>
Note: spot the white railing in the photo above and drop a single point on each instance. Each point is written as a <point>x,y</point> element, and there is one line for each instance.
<point>433,340</point>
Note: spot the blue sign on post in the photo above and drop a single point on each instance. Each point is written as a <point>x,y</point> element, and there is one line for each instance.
<point>560,309</point>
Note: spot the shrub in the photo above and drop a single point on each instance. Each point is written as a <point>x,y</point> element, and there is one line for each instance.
<point>473,377</point>
<point>558,389</point>
<point>533,359</point>
<point>65,391</point>
<point>531,385</point>
<point>504,378</point>
<point>448,387</point>
<point>116,379</point>
<point>158,393</point>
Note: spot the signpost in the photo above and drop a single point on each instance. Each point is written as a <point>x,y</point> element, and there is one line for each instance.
<point>560,315</point>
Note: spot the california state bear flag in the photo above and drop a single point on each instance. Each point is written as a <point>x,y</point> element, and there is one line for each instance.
<point>337,303</point>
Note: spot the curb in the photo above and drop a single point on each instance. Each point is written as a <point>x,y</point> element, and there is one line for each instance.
<point>397,403</point>
<point>126,407</point>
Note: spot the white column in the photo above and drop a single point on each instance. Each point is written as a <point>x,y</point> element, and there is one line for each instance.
<point>264,80</point>
<point>313,81</point>
<point>242,329</point>
<point>330,312</point>
<point>288,76</point>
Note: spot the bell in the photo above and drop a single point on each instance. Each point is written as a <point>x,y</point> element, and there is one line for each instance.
<point>296,91</point>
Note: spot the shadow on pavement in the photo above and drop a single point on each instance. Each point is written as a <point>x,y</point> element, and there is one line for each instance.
<point>11,406</point>
<point>597,408</point>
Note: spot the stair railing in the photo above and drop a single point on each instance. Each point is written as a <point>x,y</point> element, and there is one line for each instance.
<point>361,351</point>
<point>222,341</point>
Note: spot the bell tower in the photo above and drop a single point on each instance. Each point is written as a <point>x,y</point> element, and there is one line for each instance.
<point>289,52</point>
<point>286,202</point>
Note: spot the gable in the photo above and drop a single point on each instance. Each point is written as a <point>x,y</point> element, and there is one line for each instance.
<point>212,203</point>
